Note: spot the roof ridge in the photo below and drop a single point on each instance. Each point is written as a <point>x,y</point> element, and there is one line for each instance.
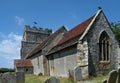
<point>34,50</point>
<point>79,30</point>
<point>23,63</point>
<point>95,16</point>
<point>76,31</point>
<point>82,27</point>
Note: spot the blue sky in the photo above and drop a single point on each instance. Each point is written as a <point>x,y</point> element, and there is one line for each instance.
<point>15,14</point>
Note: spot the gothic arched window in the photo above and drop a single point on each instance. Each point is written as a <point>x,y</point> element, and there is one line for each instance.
<point>104,47</point>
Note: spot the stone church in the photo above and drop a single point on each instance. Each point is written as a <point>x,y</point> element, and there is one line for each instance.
<point>91,46</point>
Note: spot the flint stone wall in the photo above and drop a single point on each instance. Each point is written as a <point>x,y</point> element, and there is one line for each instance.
<point>95,66</point>
<point>32,36</point>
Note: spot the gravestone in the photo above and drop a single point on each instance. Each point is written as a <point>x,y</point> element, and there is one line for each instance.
<point>20,77</point>
<point>52,80</point>
<point>4,80</point>
<point>118,80</point>
<point>8,77</point>
<point>71,73</point>
<point>112,78</point>
<point>77,74</point>
<point>12,77</point>
<point>0,78</point>
<point>104,81</point>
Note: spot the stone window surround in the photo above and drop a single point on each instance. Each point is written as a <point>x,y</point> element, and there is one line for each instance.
<point>104,47</point>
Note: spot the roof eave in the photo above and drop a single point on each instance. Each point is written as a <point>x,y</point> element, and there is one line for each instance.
<point>88,27</point>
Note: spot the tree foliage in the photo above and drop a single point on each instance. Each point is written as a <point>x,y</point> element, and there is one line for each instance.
<point>116,29</point>
<point>3,70</point>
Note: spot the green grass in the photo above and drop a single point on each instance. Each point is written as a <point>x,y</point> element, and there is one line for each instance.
<point>29,78</point>
<point>97,79</point>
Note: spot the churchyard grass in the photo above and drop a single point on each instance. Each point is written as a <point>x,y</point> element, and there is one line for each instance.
<point>97,79</point>
<point>29,78</point>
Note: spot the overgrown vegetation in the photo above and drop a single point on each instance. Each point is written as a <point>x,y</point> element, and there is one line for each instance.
<point>116,29</point>
<point>29,78</point>
<point>3,70</point>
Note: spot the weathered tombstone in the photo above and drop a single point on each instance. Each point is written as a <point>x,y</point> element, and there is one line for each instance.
<point>118,80</point>
<point>4,80</point>
<point>20,76</point>
<point>112,78</point>
<point>9,77</point>
<point>104,81</point>
<point>0,78</point>
<point>12,78</point>
<point>77,74</point>
<point>52,80</point>
<point>5,77</point>
<point>71,73</point>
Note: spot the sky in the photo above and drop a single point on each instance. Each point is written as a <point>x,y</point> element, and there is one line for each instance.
<point>15,14</point>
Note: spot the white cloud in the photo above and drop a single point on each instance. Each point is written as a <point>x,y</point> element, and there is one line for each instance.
<point>9,49</point>
<point>19,20</point>
<point>2,35</point>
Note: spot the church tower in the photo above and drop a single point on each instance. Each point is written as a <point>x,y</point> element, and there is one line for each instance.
<point>32,36</point>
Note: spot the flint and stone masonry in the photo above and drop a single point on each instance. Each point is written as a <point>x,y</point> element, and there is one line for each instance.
<point>32,36</point>
<point>79,52</point>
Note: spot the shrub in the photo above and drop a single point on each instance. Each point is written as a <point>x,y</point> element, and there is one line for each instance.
<point>3,70</point>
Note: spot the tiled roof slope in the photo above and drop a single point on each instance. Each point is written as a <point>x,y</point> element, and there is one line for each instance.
<point>72,34</point>
<point>67,36</point>
<point>47,40</point>
<point>23,63</point>
<point>76,31</point>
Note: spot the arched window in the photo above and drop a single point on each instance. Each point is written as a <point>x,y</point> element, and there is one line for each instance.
<point>104,47</point>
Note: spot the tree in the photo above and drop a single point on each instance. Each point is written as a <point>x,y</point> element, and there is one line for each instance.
<point>3,70</point>
<point>116,29</point>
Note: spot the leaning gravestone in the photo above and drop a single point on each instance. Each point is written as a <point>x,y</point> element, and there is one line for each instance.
<point>118,80</point>
<point>112,77</point>
<point>77,74</point>
<point>52,80</point>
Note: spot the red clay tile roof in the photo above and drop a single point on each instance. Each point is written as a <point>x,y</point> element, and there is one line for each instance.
<point>73,33</point>
<point>40,46</point>
<point>23,63</point>
<point>76,31</point>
